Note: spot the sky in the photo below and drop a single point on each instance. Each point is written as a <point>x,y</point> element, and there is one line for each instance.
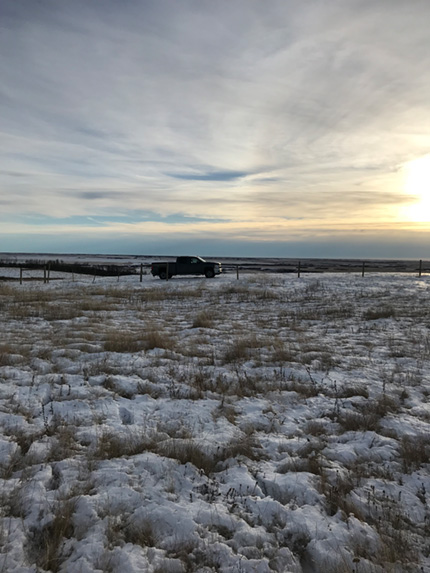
<point>215,127</point>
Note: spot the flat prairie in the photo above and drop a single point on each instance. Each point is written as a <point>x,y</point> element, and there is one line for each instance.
<point>266,424</point>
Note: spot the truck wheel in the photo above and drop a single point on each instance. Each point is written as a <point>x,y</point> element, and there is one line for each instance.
<point>163,275</point>
<point>209,273</point>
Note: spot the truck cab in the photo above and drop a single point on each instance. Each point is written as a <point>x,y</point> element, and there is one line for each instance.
<point>186,266</point>
<point>190,265</point>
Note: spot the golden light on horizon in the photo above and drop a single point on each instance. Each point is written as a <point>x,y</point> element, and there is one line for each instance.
<point>417,184</point>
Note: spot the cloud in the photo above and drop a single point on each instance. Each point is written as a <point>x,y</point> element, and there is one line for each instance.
<point>211,176</point>
<point>291,109</point>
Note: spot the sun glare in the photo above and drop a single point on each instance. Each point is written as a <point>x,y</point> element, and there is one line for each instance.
<point>417,184</point>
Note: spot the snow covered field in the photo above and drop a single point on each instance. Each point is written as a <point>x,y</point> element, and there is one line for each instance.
<point>255,425</point>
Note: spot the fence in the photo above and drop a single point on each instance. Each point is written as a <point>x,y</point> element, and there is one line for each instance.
<point>42,272</point>
<point>308,266</point>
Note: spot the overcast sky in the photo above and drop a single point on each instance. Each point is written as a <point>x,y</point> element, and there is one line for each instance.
<point>229,127</point>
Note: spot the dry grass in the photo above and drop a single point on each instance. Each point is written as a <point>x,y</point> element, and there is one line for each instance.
<point>45,543</point>
<point>6,352</point>
<point>315,428</point>
<point>122,342</point>
<point>157,338</point>
<point>131,341</point>
<point>204,319</point>
<point>304,389</point>
<point>111,445</point>
<point>353,390</point>
<point>379,312</point>
<point>352,421</point>
<point>142,533</point>
<point>283,352</point>
<point>336,492</point>
<point>414,451</point>
<point>191,451</point>
<point>242,348</point>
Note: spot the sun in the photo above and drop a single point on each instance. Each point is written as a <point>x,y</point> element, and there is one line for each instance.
<point>417,184</point>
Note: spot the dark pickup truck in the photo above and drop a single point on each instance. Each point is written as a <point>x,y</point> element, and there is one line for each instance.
<point>186,266</point>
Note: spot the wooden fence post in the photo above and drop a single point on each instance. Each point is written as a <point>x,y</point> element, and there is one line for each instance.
<point>20,275</point>
<point>44,274</point>
<point>362,269</point>
<point>298,270</point>
<point>421,267</point>
<point>141,272</point>
<point>237,272</point>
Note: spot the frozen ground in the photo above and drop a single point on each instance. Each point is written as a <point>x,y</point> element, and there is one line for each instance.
<point>255,425</point>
